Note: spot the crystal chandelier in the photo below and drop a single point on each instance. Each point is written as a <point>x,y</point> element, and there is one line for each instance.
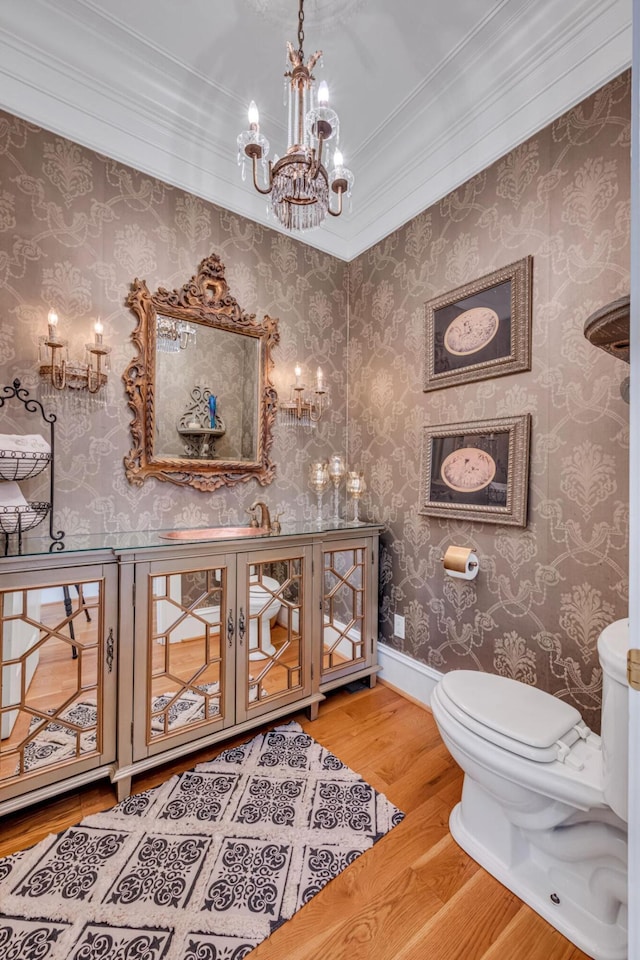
<point>298,182</point>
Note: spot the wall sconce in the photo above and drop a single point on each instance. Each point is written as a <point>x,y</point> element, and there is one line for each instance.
<point>305,404</point>
<point>59,372</point>
<point>173,335</point>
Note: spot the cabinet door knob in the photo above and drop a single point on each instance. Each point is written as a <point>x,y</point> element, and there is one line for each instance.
<point>230,627</point>
<point>241,625</point>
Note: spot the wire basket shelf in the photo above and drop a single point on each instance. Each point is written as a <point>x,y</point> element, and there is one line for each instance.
<point>22,464</point>
<point>24,517</point>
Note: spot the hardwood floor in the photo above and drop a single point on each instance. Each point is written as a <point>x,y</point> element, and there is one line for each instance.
<point>415,895</point>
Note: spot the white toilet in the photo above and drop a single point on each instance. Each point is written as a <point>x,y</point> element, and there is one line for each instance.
<point>264,607</point>
<point>544,800</point>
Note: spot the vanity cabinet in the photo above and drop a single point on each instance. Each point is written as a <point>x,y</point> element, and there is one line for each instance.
<point>115,660</point>
<point>57,677</point>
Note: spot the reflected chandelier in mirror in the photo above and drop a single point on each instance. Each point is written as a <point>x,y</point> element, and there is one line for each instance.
<point>202,415</point>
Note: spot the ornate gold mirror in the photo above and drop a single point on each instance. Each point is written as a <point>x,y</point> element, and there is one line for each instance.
<point>200,390</point>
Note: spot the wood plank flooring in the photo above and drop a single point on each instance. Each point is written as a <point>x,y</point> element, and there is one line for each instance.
<point>415,895</point>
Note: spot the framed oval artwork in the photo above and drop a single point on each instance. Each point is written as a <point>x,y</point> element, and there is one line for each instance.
<point>480,330</point>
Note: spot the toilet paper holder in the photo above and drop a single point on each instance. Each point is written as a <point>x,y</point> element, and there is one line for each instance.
<point>460,562</point>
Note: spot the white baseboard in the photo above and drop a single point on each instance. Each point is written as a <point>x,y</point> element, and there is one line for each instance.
<point>411,677</point>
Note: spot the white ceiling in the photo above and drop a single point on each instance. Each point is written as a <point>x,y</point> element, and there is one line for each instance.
<point>428,93</point>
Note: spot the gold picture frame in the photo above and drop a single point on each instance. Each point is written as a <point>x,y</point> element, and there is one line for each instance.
<point>477,470</point>
<point>481,329</point>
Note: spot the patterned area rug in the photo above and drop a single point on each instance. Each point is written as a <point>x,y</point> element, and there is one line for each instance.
<point>204,867</point>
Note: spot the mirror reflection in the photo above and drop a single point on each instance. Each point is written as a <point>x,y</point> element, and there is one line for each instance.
<point>207,401</point>
<point>274,601</point>
<point>50,708</point>
<point>185,650</point>
<point>344,608</point>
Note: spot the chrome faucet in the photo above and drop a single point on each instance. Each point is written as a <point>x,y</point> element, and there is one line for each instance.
<point>265,516</point>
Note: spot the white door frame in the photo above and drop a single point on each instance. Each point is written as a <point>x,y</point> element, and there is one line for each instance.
<point>634,501</point>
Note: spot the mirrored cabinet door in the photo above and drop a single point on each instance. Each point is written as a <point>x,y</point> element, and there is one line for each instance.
<point>274,636</point>
<point>183,659</point>
<point>57,679</point>
<point>344,608</point>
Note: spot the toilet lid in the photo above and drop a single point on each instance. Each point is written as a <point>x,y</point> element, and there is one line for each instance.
<point>530,719</point>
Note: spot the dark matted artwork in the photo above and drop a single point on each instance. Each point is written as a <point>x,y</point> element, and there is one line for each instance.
<point>480,330</point>
<point>477,471</point>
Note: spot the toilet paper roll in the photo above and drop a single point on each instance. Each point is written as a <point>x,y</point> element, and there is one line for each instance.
<point>460,562</point>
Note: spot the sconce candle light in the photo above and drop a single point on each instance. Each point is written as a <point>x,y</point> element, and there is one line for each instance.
<point>305,405</point>
<point>58,372</point>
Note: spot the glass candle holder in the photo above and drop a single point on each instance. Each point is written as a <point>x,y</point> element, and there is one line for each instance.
<point>319,481</point>
<point>337,470</point>
<point>355,488</point>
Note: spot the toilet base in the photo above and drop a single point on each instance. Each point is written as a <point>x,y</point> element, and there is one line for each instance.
<point>536,876</point>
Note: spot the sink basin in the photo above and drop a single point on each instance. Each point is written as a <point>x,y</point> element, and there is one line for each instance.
<point>214,533</point>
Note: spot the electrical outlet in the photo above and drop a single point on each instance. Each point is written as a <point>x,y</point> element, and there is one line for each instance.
<point>398,626</point>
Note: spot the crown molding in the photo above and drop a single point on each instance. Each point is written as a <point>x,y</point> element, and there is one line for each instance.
<point>83,76</point>
<point>531,92</point>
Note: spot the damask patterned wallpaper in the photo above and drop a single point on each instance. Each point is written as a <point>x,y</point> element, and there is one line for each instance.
<point>76,228</point>
<point>544,593</point>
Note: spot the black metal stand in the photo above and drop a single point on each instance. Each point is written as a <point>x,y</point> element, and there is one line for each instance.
<point>34,513</point>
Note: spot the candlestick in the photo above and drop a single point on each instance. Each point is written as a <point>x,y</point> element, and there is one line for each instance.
<point>356,487</point>
<point>318,481</point>
<point>98,330</point>
<point>337,469</point>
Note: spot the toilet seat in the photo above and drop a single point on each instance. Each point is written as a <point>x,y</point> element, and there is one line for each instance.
<point>519,718</point>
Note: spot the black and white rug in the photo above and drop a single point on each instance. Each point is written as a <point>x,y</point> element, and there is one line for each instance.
<point>204,867</point>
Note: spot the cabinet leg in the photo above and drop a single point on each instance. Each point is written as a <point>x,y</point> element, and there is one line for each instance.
<point>372,678</point>
<point>312,710</point>
<point>123,788</point>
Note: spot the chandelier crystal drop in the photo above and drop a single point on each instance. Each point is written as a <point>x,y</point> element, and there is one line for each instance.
<point>298,183</point>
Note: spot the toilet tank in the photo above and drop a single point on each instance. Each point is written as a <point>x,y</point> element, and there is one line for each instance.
<point>612,651</point>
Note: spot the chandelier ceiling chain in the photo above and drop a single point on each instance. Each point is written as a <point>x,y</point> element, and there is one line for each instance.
<point>301,29</point>
<point>298,183</point>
